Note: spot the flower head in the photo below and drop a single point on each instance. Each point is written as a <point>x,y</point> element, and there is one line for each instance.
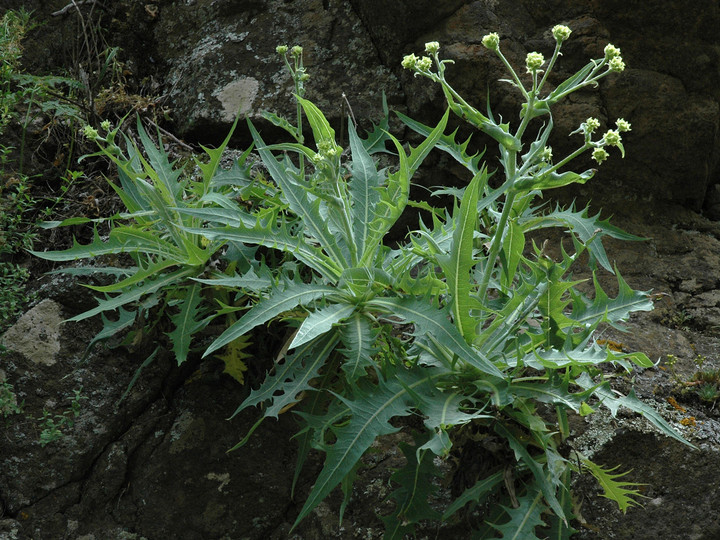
<point>409,61</point>
<point>432,47</point>
<point>561,32</point>
<point>600,155</point>
<point>106,125</point>
<point>590,125</point>
<point>611,51</point>
<point>534,61</point>
<point>90,133</point>
<point>546,154</point>
<point>622,125</point>
<point>281,49</point>
<point>424,64</point>
<point>296,50</point>
<point>491,41</point>
<point>616,64</point>
<point>612,137</point>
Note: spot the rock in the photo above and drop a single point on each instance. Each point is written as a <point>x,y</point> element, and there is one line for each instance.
<point>36,335</point>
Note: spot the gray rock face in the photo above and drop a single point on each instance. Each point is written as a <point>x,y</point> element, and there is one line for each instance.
<point>221,61</point>
<point>36,335</point>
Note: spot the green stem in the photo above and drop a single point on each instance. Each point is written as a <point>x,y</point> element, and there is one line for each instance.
<point>497,238</point>
<point>512,72</point>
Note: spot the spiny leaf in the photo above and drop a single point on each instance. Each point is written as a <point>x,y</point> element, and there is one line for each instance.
<point>559,529</point>
<point>433,321</point>
<point>368,414</point>
<point>159,165</point>
<point>234,357</point>
<point>590,230</point>
<point>320,321</point>
<point>358,339</point>
<point>296,195</point>
<point>606,309</point>
<point>277,237</point>
<point>614,401</point>
<point>458,263</point>
<point>186,321</point>
<point>447,143</point>
<point>475,494</point>
<point>363,187</point>
<point>416,485</point>
<point>524,519</point>
<point>614,489</point>
<point>110,328</point>
<point>135,293</point>
<point>539,472</point>
<point>279,301</point>
<point>291,377</point>
<point>82,251</point>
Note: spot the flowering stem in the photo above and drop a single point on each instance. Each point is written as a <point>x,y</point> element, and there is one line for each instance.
<point>512,72</point>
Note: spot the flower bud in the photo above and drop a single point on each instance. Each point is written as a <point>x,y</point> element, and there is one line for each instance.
<point>90,133</point>
<point>590,125</point>
<point>409,61</point>
<point>622,125</point>
<point>296,51</point>
<point>611,51</point>
<point>106,125</point>
<point>281,49</point>
<point>534,61</point>
<point>432,47</point>
<point>600,155</point>
<point>612,137</point>
<point>424,64</point>
<point>616,64</point>
<point>561,32</point>
<point>491,41</point>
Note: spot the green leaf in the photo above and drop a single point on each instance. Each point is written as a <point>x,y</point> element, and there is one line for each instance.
<point>279,301</point>
<point>447,143</point>
<point>82,251</point>
<point>475,494</point>
<point>363,187</point>
<point>457,265</point>
<point>159,165</point>
<point>296,195</point>
<point>358,339</point>
<point>550,180</point>
<point>318,123</point>
<point>539,472</point>
<point>368,415</point>
<point>416,485</point>
<point>614,489</point>
<point>559,529</point>
<point>320,321</point>
<point>291,377</point>
<point>135,293</point>
<point>590,230</point>
<point>606,309</point>
<point>524,519</point>
<point>110,328</point>
<point>186,321</point>
<point>512,251</point>
<point>277,237</point>
<point>613,401</point>
<point>210,169</point>
<point>429,320</point>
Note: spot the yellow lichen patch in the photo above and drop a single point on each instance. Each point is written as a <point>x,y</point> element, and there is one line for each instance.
<point>672,401</point>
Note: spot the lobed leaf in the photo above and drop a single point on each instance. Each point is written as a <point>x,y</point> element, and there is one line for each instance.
<point>265,310</point>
